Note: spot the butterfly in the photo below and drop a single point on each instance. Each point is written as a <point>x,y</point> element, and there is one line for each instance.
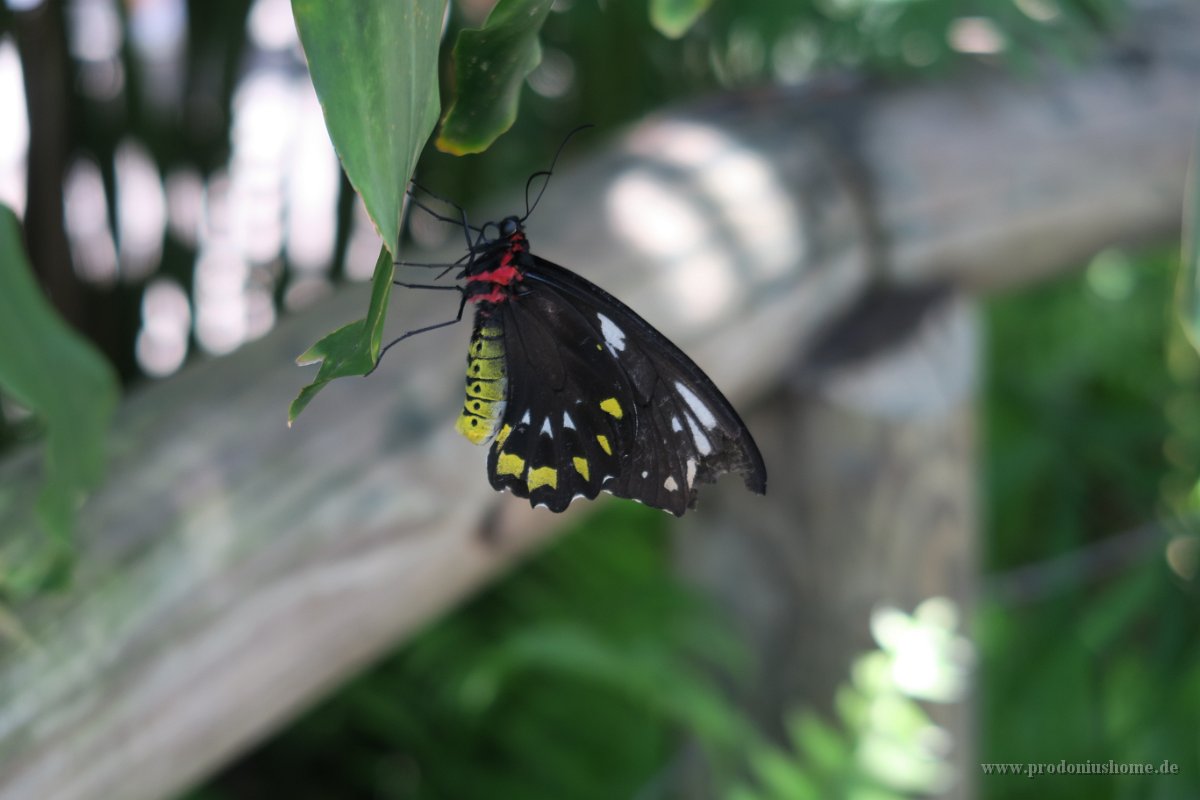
<point>576,393</point>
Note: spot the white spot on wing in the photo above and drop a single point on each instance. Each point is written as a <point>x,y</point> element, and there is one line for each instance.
<point>701,411</point>
<point>645,474</point>
<point>669,484</point>
<point>675,426</point>
<point>699,439</point>
<point>524,419</point>
<point>567,421</point>
<point>546,428</point>
<point>614,337</point>
<point>691,471</point>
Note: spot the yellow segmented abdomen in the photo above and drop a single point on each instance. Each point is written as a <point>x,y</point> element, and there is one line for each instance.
<point>486,384</point>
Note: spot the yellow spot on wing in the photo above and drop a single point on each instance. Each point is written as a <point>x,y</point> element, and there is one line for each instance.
<point>612,407</point>
<point>510,464</point>
<point>543,476</point>
<point>503,434</point>
<point>581,466</point>
<point>603,440</point>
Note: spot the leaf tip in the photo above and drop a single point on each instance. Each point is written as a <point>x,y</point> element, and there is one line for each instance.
<point>310,356</point>
<point>303,399</point>
<point>456,147</point>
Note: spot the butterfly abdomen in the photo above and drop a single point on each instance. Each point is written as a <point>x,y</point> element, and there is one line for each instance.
<point>487,382</point>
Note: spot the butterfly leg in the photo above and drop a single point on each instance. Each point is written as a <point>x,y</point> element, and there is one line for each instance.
<point>429,265</point>
<point>441,199</point>
<point>445,268</point>
<point>436,288</point>
<point>466,226</point>
<point>462,304</point>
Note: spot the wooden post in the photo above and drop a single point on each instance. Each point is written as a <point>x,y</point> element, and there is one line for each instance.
<point>875,508</point>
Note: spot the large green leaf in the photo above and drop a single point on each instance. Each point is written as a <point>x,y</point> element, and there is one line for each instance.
<point>490,66</point>
<point>673,18</point>
<point>51,370</point>
<point>352,349</point>
<point>374,66</point>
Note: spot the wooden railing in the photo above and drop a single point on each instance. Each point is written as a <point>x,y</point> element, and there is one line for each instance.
<point>231,570</point>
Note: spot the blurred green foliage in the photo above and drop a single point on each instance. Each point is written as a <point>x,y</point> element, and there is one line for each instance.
<point>74,402</point>
<point>1094,656</point>
<point>884,745</point>
<point>1075,422</point>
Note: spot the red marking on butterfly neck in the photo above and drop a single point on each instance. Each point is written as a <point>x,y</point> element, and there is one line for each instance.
<point>501,277</point>
<point>504,275</point>
<point>497,295</point>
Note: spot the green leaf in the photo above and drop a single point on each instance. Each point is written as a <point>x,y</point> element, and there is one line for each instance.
<point>352,349</point>
<point>1188,289</point>
<point>782,776</point>
<point>824,748</point>
<point>490,66</point>
<point>374,66</point>
<point>743,792</point>
<point>662,684</point>
<point>673,18</point>
<point>55,373</point>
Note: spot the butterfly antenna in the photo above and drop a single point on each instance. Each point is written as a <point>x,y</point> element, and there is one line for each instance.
<point>547,172</point>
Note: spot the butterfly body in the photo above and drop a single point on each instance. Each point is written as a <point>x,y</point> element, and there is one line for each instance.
<point>577,394</point>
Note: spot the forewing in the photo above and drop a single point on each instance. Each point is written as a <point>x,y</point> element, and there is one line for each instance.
<point>589,379</point>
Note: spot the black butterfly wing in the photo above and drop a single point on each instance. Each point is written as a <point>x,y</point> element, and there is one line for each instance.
<point>599,399</point>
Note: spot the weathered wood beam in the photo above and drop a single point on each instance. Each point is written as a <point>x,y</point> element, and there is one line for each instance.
<point>232,570</point>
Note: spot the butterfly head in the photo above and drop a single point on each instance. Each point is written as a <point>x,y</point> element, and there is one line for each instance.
<point>509,226</point>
